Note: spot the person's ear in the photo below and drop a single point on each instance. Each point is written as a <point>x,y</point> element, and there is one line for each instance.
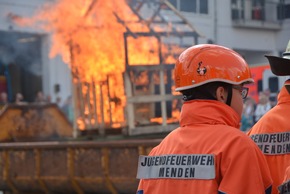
<point>221,94</point>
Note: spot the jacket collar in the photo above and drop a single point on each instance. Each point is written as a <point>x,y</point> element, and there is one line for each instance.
<point>283,95</point>
<point>210,112</point>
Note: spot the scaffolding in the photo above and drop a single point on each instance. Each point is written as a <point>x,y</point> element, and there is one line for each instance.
<point>150,103</point>
<point>150,110</point>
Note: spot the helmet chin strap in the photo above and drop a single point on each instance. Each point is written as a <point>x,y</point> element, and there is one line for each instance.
<point>230,94</point>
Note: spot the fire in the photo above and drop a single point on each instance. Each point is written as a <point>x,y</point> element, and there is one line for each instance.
<point>89,37</point>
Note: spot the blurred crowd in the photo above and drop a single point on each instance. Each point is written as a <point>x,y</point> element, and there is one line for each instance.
<point>253,110</point>
<point>40,98</point>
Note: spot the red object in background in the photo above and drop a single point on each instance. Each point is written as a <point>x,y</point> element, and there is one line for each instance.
<point>3,84</point>
<point>257,74</point>
<point>257,13</point>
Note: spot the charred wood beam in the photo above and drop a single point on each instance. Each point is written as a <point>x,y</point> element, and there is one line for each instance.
<point>163,21</point>
<point>166,2</point>
<point>110,100</point>
<point>152,20</point>
<point>88,106</point>
<point>124,24</point>
<point>150,67</point>
<point>136,12</point>
<point>102,111</point>
<point>156,13</point>
<point>126,49</point>
<point>166,34</point>
<point>141,3</point>
<point>152,98</point>
<point>141,19</point>
<point>95,109</point>
<point>81,102</point>
<point>160,50</point>
<point>92,5</point>
<point>171,7</point>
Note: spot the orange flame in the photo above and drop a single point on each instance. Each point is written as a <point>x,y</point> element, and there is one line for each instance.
<point>89,37</point>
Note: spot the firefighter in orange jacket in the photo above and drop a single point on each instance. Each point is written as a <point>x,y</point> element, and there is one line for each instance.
<point>207,154</point>
<point>272,132</point>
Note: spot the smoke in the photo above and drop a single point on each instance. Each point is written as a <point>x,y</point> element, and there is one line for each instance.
<point>22,49</point>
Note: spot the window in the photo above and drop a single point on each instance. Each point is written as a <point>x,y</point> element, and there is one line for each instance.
<point>188,6</point>
<point>283,11</point>
<point>193,6</point>
<point>287,11</point>
<point>203,8</point>
<point>258,7</point>
<point>237,9</point>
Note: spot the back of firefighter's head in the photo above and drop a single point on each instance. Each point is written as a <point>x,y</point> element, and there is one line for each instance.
<point>280,66</point>
<point>212,72</point>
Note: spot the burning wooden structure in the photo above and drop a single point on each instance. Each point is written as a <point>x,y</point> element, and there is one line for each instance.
<point>121,55</point>
<point>141,99</point>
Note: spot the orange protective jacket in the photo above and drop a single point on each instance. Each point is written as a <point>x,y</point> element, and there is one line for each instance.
<point>272,134</point>
<point>207,128</point>
<point>284,188</point>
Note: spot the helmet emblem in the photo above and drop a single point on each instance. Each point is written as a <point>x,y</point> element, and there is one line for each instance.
<point>201,70</point>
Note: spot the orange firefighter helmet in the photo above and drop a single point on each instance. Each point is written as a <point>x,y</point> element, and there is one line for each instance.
<point>205,63</point>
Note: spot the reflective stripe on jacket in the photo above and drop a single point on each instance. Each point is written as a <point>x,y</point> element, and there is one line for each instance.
<point>207,127</point>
